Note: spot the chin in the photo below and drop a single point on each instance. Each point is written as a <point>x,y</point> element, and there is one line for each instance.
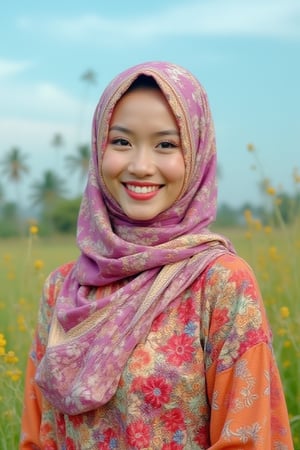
<point>141,217</point>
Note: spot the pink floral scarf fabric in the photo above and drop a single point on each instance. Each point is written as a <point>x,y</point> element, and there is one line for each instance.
<point>91,339</point>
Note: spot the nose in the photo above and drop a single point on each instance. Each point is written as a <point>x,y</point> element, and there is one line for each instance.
<point>141,163</point>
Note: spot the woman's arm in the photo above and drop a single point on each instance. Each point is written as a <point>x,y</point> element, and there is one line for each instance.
<point>248,408</point>
<point>31,417</point>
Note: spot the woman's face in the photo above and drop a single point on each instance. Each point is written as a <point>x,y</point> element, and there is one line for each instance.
<point>143,166</point>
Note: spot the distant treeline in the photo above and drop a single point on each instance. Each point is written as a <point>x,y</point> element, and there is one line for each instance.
<point>61,217</point>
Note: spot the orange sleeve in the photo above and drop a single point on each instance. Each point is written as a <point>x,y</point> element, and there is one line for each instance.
<point>31,417</point>
<point>248,408</point>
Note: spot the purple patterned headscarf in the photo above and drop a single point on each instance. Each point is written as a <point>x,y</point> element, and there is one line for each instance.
<point>91,339</point>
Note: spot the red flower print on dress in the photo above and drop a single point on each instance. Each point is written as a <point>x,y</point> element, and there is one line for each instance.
<point>179,349</point>
<point>238,277</point>
<point>137,384</point>
<point>65,269</point>
<point>51,299</point>
<point>186,310</point>
<point>109,441</point>
<point>45,429</point>
<point>156,391</point>
<point>252,338</point>
<point>49,444</point>
<point>220,318</point>
<point>172,446</point>
<point>39,350</point>
<point>76,420</point>
<point>61,425</point>
<point>141,359</point>
<point>70,444</point>
<point>201,437</point>
<point>157,322</point>
<point>174,420</point>
<point>138,434</point>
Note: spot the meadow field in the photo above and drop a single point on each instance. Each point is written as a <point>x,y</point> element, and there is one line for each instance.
<point>274,254</point>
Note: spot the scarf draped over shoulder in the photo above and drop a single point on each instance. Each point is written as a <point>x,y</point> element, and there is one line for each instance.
<point>90,339</point>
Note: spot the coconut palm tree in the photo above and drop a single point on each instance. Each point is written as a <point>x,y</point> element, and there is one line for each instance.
<point>14,167</point>
<point>89,78</point>
<point>79,162</point>
<point>47,191</point>
<point>57,143</point>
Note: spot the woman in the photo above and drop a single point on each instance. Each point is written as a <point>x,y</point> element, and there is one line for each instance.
<point>158,336</point>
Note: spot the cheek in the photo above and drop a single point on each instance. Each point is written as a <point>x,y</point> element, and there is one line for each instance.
<point>175,169</point>
<point>110,165</point>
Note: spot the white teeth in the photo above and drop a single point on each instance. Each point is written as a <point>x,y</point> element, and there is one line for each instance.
<point>142,189</point>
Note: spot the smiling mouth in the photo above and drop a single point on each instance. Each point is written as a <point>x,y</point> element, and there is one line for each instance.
<point>142,192</point>
<point>142,189</point>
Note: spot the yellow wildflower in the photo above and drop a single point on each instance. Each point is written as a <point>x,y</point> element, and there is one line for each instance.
<point>33,229</point>
<point>287,344</point>
<point>21,323</point>
<point>11,275</point>
<point>268,229</point>
<point>286,363</point>
<point>248,215</point>
<point>282,332</point>
<point>7,257</point>
<point>38,264</point>
<point>14,374</point>
<point>11,358</point>
<point>2,340</point>
<point>270,191</point>
<point>273,252</point>
<point>284,312</point>
<point>257,224</point>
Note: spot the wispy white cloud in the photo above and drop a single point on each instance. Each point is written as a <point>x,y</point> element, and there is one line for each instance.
<point>41,99</point>
<point>32,135</point>
<point>270,18</point>
<point>10,67</point>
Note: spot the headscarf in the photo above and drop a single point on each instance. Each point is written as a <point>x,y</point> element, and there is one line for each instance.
<point>91,339</point>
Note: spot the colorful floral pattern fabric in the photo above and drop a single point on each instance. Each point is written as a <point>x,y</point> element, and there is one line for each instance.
<point>204,378</point>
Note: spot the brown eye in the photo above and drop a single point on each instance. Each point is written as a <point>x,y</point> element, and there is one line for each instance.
<point>167,145</point>
<point>120,141</point>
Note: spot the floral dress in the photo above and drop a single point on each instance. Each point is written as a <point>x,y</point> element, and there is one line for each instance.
<point>204,378</point>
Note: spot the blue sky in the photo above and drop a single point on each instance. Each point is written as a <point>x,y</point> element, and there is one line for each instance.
<point>245,53</point>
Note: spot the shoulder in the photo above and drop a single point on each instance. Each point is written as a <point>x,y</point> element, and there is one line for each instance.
<point>231,262</point>
<point>54,282</point>
<point>228,279</point>
<point>60,273</point>
<point>230,267</point>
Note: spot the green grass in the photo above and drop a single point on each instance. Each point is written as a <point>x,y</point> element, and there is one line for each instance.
<point>24,264</point>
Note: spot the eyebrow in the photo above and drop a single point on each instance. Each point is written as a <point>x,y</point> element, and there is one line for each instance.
<point>158,133</point>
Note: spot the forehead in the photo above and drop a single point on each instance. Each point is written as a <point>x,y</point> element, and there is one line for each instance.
<point>144,104</point>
